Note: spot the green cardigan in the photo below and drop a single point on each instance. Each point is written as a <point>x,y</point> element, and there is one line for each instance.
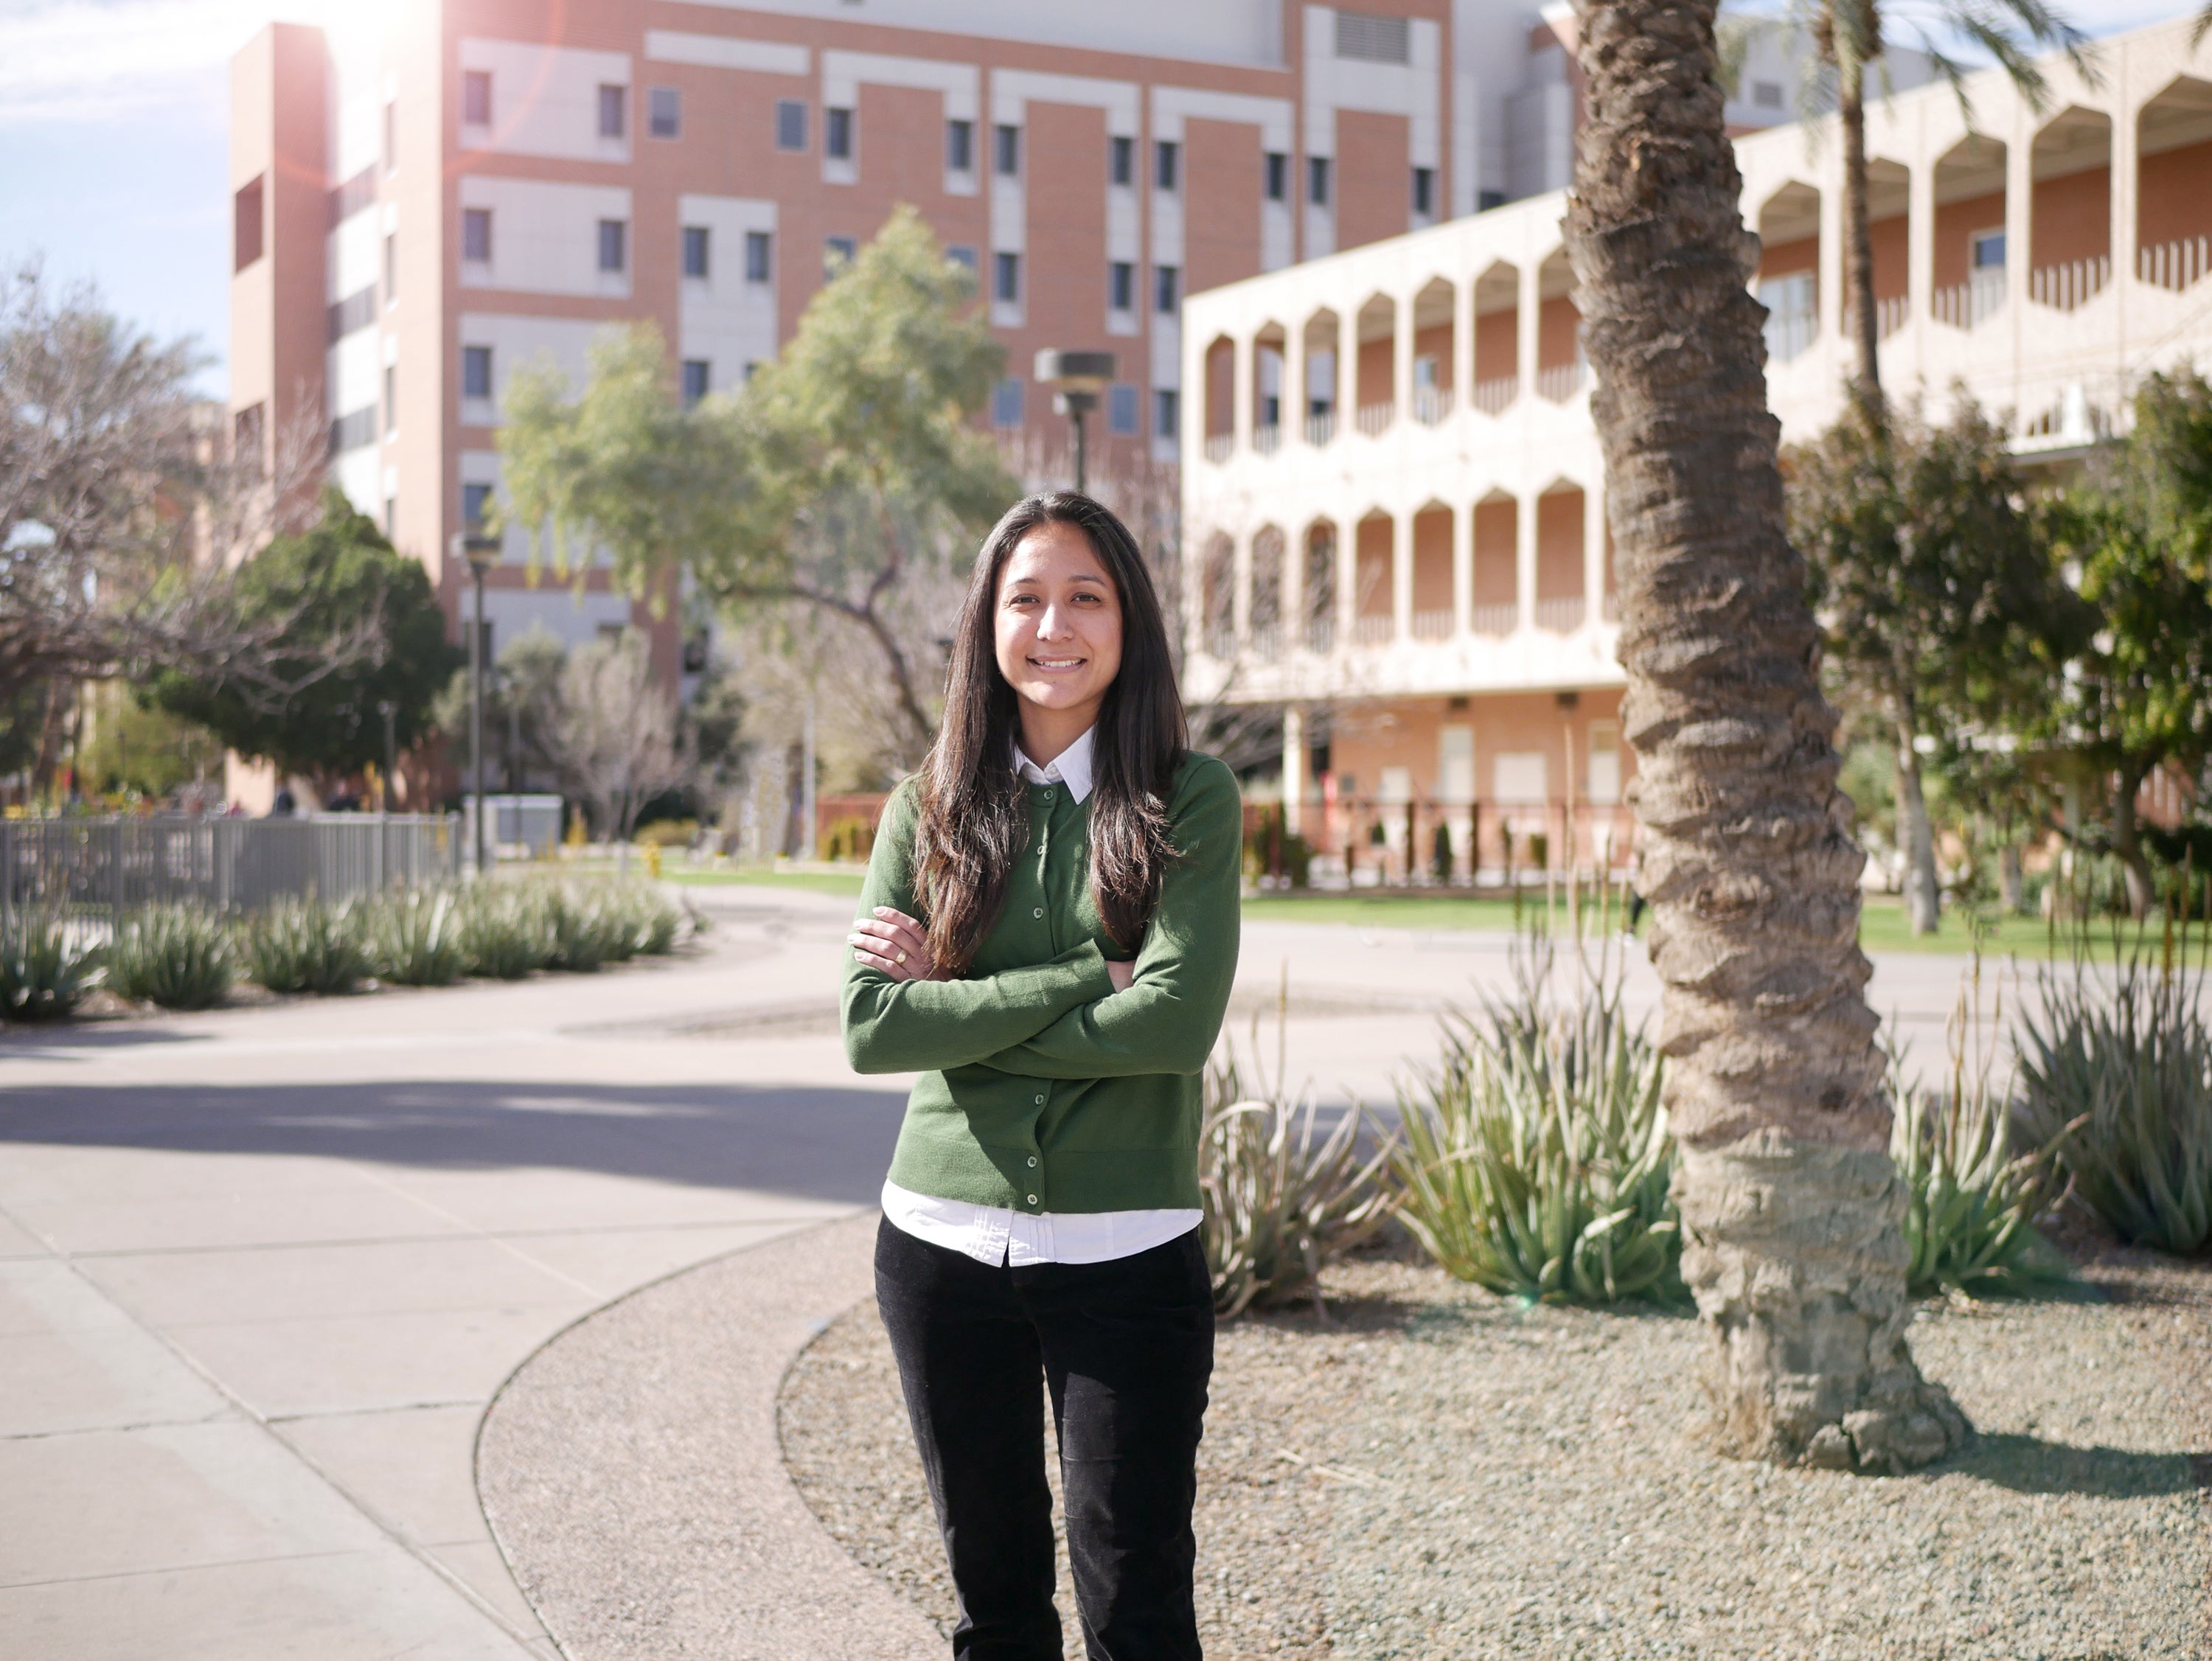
<point>1041,1088</point>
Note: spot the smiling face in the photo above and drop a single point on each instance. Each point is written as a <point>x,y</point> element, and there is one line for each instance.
<point>1058,626</point>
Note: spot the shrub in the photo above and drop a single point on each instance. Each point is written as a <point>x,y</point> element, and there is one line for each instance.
<point>179,957</point>
<point>1536,1157</point>
<point>506,930</point>
<point>305,946</point>
<point>848,838</point>
<point>1972,1201</point>
<point>2132,1057</point>
<point>667,833</point>
<point>45,969</point>
<point>588,932</point>
<point>1279,1206</point>
<point>414,938</point>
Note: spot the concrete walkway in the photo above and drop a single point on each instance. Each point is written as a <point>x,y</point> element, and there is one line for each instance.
<point>262,1270</point>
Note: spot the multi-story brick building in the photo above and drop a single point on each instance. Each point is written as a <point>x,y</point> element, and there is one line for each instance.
<point>1412,560</point>
<point>430,197</point>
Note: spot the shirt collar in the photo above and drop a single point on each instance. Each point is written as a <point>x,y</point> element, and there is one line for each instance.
<point>1071,767</point>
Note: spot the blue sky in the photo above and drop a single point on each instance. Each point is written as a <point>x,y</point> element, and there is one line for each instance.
<point>112,144</point>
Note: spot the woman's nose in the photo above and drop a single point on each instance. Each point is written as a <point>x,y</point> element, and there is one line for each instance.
<point>1053,624</point>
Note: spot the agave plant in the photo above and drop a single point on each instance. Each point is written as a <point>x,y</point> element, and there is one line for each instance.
<point>306,946</point>
<point>506,930</point>
<point>414,938</point>
<point>179,957</point>
<point>2130,1058</point>
<point>1536,1156</point>
<point>1281,1199</point>
<point>45,967</point>
<point>1971,1199</point>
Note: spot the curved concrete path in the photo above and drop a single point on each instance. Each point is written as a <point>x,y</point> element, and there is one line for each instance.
<point>632,1476</point>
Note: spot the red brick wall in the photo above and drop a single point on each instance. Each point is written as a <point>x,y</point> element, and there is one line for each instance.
<point>2172,201</point>
<point>1374,178</point>
<point>1559,545</point>
<point>1432,561</point>
<point>1497,526</point>
<point>2071,218</point>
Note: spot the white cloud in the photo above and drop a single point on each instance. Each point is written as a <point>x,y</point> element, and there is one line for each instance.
<point>97,60</point>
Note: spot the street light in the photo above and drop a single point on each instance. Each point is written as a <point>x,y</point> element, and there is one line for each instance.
<point>482,552</point>
<point>388,710</point>
<point>1076,378</point>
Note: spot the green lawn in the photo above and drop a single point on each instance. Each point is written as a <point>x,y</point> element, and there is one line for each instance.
<point>837,882</point>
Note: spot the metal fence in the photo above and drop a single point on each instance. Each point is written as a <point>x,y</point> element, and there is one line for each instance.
<point>108,865</point>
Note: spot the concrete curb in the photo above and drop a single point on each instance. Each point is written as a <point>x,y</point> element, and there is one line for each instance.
<point>631,1473</point>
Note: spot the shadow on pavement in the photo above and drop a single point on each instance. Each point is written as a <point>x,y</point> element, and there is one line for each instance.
<point>828,1144</point>
<point>2028,1464</point>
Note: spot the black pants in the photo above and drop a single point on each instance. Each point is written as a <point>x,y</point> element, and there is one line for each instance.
<point>1126,1349</point>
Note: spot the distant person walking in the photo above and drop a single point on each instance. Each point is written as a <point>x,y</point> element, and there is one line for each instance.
<point>1048,935</point>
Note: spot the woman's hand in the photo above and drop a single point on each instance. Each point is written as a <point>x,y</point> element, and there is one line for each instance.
<point>1120,973</point>
<point>893,943</point>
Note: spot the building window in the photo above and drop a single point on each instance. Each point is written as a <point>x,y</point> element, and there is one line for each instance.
<point>391,267</point>
<point>695,251</point>
<point>614,244</point>
<point>1767,95</point>
<point>1006,404</point>
<point>1988,251</point>
<point>1486,200</point>
<point>760,256</point>
<point>391,399</point>
<point>1121,408</point>
<point>960,146</point>
<point>1317,180</point>
<point>614,111</point>
<point>476,372</point>
<point>245,225</point>
<point>790,125</point>
<point>356,310</point>
<point>695,380</point>
<point>1278,172</point>
<point>476,505</point>
<point>1121,160</point>
<point>837,134</point>
<point>1167,165</point>
<point>1121,285</point>
<point>1006,277</point>
<point>961,254</point>
<point>353,429</point>
<point>1007,143</point>
<point>1167,287</point>
<point>475,98</point>
<point>837,253</point>
<point>476,235</point>
<point>1425,191</point>
<point>664,112</point>
<point>392,138</point>
<point>1167,413</point>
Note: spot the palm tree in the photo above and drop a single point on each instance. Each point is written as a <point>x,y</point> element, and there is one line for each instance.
<point>1790,1207</point>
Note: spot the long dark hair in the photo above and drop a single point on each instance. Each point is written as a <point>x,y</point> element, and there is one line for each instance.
<point>974,819</point>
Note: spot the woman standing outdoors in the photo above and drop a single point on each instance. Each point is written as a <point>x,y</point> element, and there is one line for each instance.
<point>1048,936</point>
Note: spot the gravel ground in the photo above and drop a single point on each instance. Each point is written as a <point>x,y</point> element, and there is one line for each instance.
<point>1439,1473</point>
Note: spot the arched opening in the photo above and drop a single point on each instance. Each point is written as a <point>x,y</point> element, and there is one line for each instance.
<point>1889,205</point>
<point>1220,398</point>
<point>1432,352</point>
<point>1217,596</point>
<point>1266,605</point>
<point>1433,618</point>
<point>2069,208</point>
<point>1317,340</point>
<point>1788,280</point>
<point>1559,559</point>
<point>1373,611</point>
<point>2174,210</point>
<point>1268,348</point>
<point>1558,330</point>
<point>1375,389</point>
<point>1497,339</point>
<point>1497,565</point>
<point>1970,233</point>
<point>1317,593</point>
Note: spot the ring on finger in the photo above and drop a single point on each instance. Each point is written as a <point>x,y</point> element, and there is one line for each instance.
<point>900,958</point>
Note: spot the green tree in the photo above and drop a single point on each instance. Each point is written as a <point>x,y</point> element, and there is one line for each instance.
<point>2140,532</point>
<point>840,474</point>
<point>1849,36</point>
<point>1943,610</point>
<point>1792,1212</point>
<point>350,624</point>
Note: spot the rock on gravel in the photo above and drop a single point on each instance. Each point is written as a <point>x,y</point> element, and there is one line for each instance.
<point>1440,1473</point>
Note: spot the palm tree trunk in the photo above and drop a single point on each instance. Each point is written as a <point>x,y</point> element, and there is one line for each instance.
<point>1790,1207</point>
<point>1858,238</point>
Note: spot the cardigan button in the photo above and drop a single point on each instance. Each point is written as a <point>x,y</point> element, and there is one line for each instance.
<point>1032,1161</point>
<point>1039,911</point>
<point>1032,1199</point>
<point>1040,1102</point>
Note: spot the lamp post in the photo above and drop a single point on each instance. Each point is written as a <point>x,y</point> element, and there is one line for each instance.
<point>482,552</point>
<point>388,710</point>
<point>1076,378</point>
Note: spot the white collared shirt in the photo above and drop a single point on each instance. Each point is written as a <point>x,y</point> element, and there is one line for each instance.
<point>998,1233</point>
